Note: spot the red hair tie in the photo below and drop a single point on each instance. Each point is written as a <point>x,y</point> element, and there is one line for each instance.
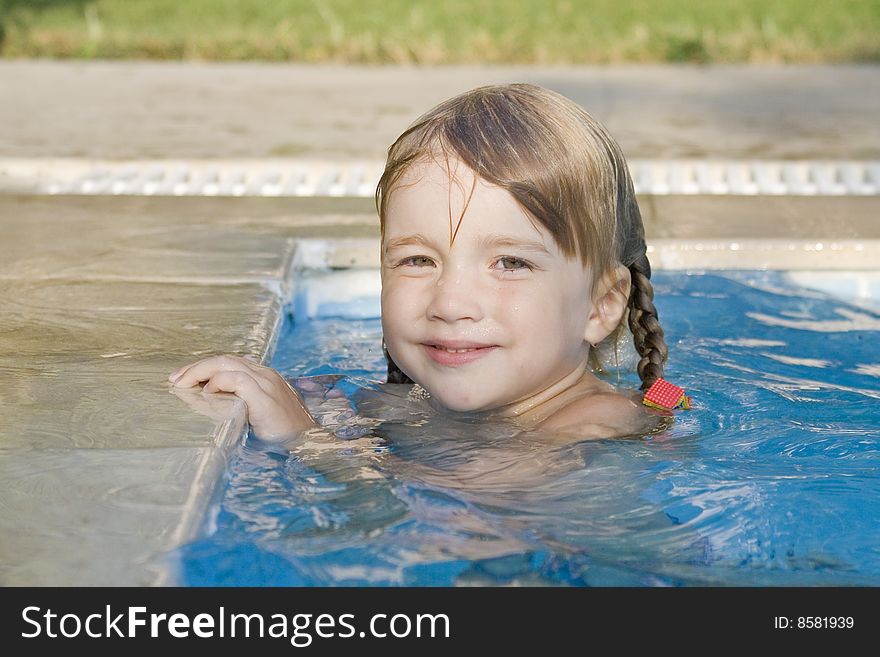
<point>666,396</point>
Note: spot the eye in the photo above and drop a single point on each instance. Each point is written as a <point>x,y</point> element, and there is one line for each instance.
<point>510,263</point>
<point>416,261</point>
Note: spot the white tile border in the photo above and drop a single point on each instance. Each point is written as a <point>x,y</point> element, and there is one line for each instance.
<point>295,178</point>
<point>664,254</point>
<point>758,253</point>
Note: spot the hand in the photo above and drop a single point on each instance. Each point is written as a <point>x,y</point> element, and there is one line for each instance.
<point>275,410</point>
<point>220,407</point>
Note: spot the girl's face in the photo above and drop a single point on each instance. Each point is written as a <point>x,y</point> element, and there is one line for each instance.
<point>492,320</point>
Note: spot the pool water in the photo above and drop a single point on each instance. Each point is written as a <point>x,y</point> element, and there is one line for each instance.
<point>773,478</point>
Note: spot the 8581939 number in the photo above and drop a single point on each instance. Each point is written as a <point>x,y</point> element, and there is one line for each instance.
<point>825,622</point>
<point>814,622</point>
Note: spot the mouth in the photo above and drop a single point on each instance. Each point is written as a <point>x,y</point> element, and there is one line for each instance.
<point>454,354</point>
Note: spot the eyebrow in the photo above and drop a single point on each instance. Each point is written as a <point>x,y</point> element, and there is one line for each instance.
<point>500,240</point>
<point>486,241</point>
<point>416,239</point>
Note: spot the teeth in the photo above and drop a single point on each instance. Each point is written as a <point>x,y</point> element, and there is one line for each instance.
<point>455,351</point>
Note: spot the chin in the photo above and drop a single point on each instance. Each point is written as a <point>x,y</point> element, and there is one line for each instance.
<point>458,404</point>
<point>458,408</point>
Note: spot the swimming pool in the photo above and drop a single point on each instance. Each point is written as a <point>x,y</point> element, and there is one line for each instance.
<point>772,479</point>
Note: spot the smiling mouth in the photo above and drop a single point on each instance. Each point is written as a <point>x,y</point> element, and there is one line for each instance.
<point>455,351</point>
<point>453,357</point>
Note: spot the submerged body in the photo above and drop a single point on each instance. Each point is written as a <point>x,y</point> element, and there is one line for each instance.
<point>398,429</point>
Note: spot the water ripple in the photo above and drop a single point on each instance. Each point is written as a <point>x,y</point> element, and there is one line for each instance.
<point>772,479</point>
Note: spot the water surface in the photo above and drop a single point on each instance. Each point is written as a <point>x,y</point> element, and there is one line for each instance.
<point>773,478</point>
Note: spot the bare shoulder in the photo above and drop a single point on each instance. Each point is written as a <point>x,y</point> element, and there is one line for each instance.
<point>610,414</point>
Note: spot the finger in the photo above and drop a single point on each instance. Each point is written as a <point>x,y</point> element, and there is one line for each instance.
<point>176,374</point>
<point>237,382</point>
<point>208,367</point>
<point>265,377</point>
<point>216,407</point>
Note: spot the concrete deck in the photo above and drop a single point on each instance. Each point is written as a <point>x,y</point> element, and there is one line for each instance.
<point>103,471</point>
<point>129,110</point>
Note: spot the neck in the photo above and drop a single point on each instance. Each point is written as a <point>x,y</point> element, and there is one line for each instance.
<point>521,407</point>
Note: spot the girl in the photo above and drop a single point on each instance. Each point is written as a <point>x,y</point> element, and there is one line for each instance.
<point>512,245</point>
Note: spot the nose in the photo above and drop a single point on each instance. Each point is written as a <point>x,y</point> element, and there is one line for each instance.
<point>455,296</point>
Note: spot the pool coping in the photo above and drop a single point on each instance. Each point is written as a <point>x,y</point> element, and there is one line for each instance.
<point>296,177</point>
<point>664,254</point>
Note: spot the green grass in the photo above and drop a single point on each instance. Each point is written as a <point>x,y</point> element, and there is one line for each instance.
<point>451,31</point>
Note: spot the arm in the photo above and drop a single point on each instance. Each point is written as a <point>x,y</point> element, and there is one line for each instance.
<point>275,410</point>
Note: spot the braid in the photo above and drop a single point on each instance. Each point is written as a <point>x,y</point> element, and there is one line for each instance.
<point>395,374</point>
<point>645,325</point>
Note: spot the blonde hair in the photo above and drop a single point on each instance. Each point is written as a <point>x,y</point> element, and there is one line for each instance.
<point>563,167</point>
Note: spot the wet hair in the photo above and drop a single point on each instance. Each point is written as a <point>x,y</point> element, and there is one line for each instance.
<point>563,167</point>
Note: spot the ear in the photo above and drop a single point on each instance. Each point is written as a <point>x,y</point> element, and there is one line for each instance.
<point>609,304</point>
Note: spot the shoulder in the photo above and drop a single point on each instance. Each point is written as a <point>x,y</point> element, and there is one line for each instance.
<point>606,414</point>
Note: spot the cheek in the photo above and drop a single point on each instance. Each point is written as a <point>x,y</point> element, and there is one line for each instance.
<point>401,294</point>
<point>387,310</point>
<point>547,313</point>
<point>533,307</point>
<point>397,307</point>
